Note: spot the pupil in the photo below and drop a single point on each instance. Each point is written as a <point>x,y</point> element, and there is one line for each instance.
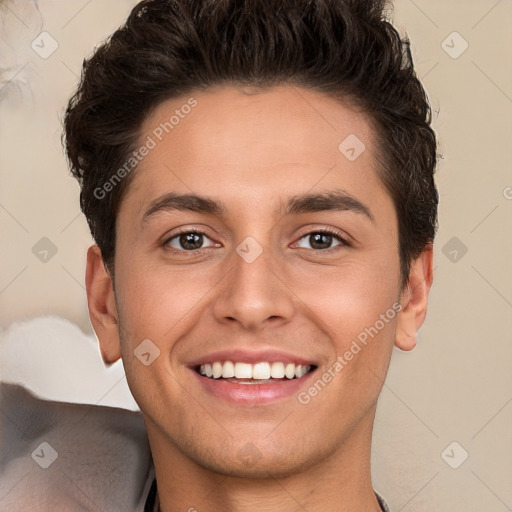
<point>195,240</point>
<point>191,240</point>
<point>320,240</point>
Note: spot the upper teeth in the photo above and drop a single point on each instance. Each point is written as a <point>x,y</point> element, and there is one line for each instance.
<point>258,371</point>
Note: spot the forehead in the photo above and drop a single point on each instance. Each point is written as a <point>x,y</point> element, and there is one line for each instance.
<point>247,144</point>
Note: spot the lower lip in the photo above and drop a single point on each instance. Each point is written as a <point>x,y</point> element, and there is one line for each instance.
<point>253,394</point>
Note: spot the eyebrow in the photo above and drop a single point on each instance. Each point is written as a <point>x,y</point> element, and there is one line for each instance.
<point>337,200</point>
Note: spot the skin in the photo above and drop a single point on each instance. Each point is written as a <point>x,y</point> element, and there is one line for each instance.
<point>253,152</point>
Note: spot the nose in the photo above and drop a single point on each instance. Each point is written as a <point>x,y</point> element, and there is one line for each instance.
<point>254,293</point>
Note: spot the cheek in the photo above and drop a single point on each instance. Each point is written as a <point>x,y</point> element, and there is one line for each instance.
<point>157,301</point>
<point>356,312</point>
<point>354,306</point>
<point>154,307</point>
<point>351,296</point>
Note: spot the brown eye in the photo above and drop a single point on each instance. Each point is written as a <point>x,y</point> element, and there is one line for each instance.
<point>321,240</point>
<point>187,241</point>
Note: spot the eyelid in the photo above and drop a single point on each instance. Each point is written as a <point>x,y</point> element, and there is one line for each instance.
<point>343,238</point>
<point>341,235</point>
<point>184,231</point>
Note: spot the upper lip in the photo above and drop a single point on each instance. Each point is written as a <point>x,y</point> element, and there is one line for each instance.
<point>251,356</point>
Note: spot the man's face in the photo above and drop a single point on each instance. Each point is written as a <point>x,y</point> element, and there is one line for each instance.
<point>260,283</point>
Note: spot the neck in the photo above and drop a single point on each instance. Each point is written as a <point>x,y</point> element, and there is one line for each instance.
<point>340,483</point>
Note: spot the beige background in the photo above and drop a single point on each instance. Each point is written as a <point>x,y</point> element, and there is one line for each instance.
<point>456,386</point>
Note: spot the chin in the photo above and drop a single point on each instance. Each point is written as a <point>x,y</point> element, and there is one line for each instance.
<point>249,462</point>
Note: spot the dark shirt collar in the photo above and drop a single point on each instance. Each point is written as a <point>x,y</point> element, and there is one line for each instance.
<point>151,500</point>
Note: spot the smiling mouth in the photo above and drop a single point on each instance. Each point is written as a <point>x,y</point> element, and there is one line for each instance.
<point>259,373</point>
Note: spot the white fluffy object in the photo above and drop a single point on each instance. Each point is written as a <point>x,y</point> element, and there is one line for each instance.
<point>53,358</point>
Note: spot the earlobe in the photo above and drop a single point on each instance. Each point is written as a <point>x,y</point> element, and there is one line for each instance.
<point>102,306</point>
<point>414,300</point>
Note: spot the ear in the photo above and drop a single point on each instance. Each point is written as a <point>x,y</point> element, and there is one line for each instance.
<point>102,306</point>
<point>414,299</point>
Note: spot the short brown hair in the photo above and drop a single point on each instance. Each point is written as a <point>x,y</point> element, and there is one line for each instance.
<point>346,49</point>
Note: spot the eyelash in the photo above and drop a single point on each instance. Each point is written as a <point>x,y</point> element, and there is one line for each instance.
<point>326,231</point>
